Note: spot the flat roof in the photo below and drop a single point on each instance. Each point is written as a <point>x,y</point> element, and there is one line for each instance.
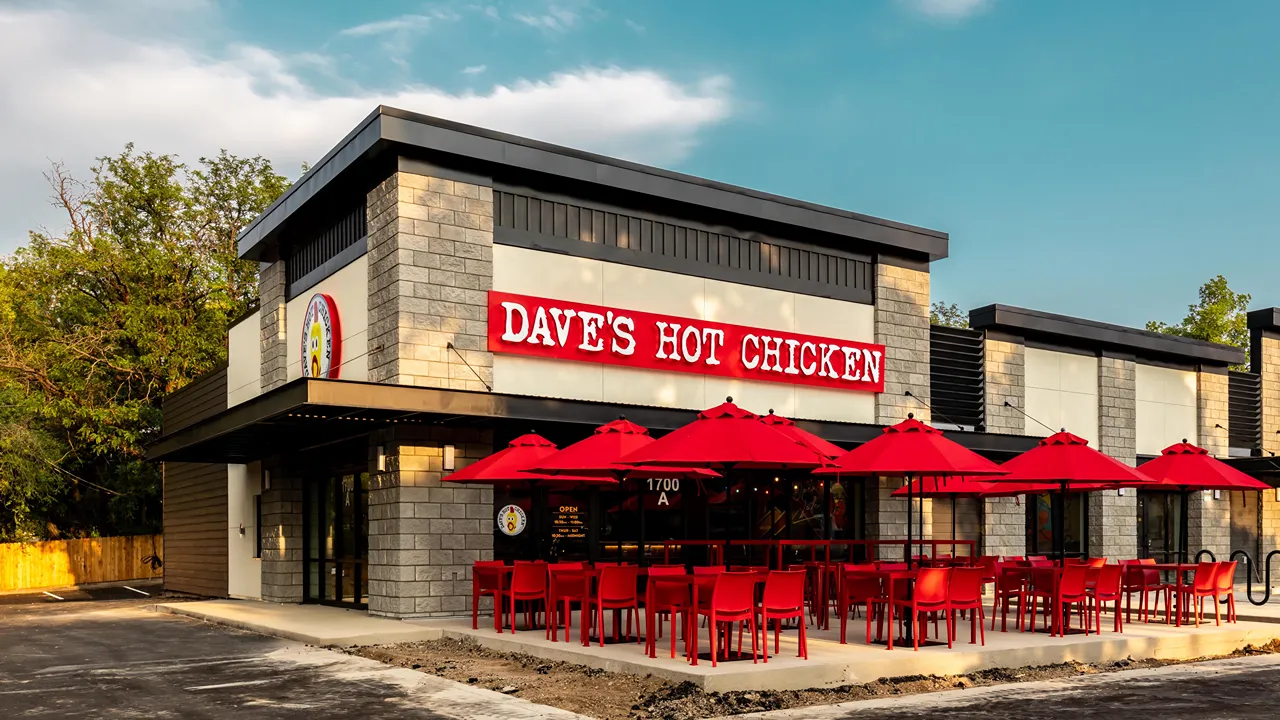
<point>310,412</point>
<point>389,131</point>
<point>1093,335</point>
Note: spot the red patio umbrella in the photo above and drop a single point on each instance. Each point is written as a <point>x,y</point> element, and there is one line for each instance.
<point>790,429</point>
<point>598,454</point>
<point>911,449</point>
<point>1184,467</point>
<point>512,465</point>
<point>957,487</point>
<point>1067,461</point>
<point>726,436</point>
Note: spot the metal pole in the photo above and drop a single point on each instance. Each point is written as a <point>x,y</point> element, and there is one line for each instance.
<point>1059,526</point>
<point>909,538</point>
<point>1183,542</point>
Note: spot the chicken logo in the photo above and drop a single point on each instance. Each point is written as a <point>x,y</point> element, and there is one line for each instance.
<point>511,520</point>
<point>321,338</point>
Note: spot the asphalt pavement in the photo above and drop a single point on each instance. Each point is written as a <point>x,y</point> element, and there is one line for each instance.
<point>114,659</point>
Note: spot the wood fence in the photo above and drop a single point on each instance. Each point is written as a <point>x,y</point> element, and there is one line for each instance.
<point>64,563</point>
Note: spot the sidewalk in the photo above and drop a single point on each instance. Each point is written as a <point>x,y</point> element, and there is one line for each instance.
<point>312,624</point>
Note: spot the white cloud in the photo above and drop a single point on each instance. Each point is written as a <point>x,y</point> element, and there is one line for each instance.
<point>474,69</point>
<point>947,9</point>
<point>555,20</point>
<point>404,23</point>
<point>78,89</point>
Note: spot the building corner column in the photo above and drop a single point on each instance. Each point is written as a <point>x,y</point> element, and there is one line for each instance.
<point>1265,360</point>
<point>1004,520</point>
<point>1209,518</point>
<point>281,534</point>
<point>902,326</point>
<point>1113,518</point>
<point>273,330</point>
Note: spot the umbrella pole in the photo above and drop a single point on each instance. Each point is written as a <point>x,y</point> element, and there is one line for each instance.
<point>1183,543</point>
<point>909,538</point>
<point>1059,529</point>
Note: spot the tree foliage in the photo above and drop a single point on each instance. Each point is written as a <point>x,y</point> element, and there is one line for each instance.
<point>1219,316</point>
<point>97,323</point>
<point>946,315</point>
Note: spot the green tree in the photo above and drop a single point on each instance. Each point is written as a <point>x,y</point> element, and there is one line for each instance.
<point>130,302</point>
<point>1219,316</point>
<point>946,315</point>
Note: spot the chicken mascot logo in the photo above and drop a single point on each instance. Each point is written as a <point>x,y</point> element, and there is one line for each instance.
<point>321,338</point>
<point>511,520</point>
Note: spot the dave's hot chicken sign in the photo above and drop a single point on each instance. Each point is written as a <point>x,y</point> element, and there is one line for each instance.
<point>523,325</point>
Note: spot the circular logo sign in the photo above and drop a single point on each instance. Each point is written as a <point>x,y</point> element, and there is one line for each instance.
<point>321,338</point>
<point>511,520</point>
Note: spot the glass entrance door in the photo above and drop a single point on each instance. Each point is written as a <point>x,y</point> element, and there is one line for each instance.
<point>336,540</point>
<point>1160,525</point>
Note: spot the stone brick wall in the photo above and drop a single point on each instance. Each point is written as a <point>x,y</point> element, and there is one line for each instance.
<point>902,326</point>
<point>887,517</point>
<point>1209,518</point>
<point>430,265</point>
<point>1268,364</point>
<point>1113,519</point>
<point>272,327</point>
<point>281,537</point>
<point>1004,520</point>
<point>425,536</point>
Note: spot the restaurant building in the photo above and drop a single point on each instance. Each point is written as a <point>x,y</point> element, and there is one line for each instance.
<point>430,291</point>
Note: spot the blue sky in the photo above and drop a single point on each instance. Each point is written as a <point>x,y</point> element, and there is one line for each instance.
<point>1088,157</point>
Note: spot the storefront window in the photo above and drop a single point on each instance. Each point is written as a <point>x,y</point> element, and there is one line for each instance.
<point>1040,519</point>
<point>1160,525</point>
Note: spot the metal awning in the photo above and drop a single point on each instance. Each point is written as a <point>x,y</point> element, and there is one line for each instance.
<point>311,412</point>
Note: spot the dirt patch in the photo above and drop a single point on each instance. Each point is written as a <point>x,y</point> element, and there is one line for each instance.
<point>615,696</point>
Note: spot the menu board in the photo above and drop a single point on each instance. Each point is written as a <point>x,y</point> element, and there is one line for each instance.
<point>568,522</point>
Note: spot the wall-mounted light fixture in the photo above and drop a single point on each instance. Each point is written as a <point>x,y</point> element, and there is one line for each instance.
<point>1217,494</point>
<point>382,458</point>
<point>450,457</point>
<point>266,479</point>
<point>1121,492</point>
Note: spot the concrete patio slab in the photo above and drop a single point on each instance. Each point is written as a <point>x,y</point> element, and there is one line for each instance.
<point>831,664</point>
<point>312,624</point>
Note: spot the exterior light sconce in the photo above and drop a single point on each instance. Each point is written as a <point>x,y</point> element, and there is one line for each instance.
<point>382,458</point>
<point>1277,494</point>
<point>1121,492</point>
<point>1217,494</point>
<point>450,457</point>
<point>266,479</point>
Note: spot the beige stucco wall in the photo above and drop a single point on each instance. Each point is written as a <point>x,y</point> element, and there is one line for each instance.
<point>1061,392</point>
<point>349,288</point>
<point>1166,408</point>
<point>244,361</point>
<point>549,275</point>
<point>244,571</point>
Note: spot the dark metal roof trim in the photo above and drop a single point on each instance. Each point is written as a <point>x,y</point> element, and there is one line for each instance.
<point>387,126</point>
<point>1103,337</point>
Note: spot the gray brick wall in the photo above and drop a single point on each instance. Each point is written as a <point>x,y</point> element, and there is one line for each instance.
<point>902,326</point>
<point>1269,366</point>
<point>1004,520</point>
<point>424,536</point>
<point>1209,518</point>
<point>430,267</point>
<point>272,327</point>
<point>1113,519</point>
<point>887,517</point>
<point>281,537</point>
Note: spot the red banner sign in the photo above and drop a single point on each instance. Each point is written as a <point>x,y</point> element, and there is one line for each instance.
<point>523,325</point>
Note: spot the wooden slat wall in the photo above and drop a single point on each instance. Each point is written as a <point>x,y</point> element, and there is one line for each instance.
<point>65,563</point>
<point>201,398</point>
<point>195,526</point>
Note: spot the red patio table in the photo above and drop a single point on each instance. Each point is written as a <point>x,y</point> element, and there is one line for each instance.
<point>1178,570</point>
<point>889,578</point>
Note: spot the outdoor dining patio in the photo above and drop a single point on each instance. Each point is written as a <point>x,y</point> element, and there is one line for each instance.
<point>926,594</point>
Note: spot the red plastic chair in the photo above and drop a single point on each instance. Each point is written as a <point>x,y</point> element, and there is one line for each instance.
<point>930,596</point>
<point>965,593</point>
<point>528,584</point>
<point>783,600</point>
<point>1096,563</point>
<point>1145,582</point>
<point>566,585</point>
<point>990,566</point>
<point>1040,587</point>
<point>858,587</point>
<point>1071,591</point>
<point>1203,585</point>
<point>1107,588</point>
<point>1039,561</point>
<point>1009,587</point>
<point>616,591</point>
<point>485,581</point>
<point>1226,585</point>
<point>732,600</point>
<point>668,600</point>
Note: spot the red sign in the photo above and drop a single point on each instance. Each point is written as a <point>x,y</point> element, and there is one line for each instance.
<point>523,325</point>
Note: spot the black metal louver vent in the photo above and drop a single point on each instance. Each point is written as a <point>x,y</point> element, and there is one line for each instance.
<point>829,274</point>
<point>1244,410</point>
<point>310,254</point>
<point>955,376</point>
